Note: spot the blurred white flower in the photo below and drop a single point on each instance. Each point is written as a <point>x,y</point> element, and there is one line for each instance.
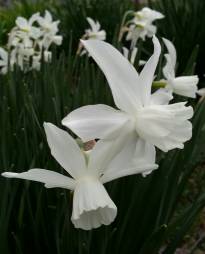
<point>92,205</point>
<point>26,27</point>
<point>49,30</point>
<point>201,92</point>
<point>184,85</point>
<point>93,33</point>
<point>146,117</point>
<point>4,61</point>
<point>141,26</point>
<point>31,39</point>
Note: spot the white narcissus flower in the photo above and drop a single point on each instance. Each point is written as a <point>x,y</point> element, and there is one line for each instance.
<point>49,31</point>
<point>27,28</point>
<point>146,116</point>
<point>184,85</point>
<point>141,25</point>
<point>95,32</point>
<point>92,205</point>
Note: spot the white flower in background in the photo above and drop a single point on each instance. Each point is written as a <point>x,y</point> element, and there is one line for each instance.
<point>92,205</point>
<point>201,92</point>
<point>31,39</point>
<point>93,33</point>
<point>49,30</point>
<point>131,55</point>
<point>141,26</point>
<point>184,85</point>
<point>4,61</point>
<point>145,116</point>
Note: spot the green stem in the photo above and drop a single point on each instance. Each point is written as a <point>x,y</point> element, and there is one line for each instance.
<point>159,84</point>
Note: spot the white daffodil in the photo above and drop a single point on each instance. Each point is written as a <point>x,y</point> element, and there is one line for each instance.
<point>47,23</point>
<point>184,85</point>
<point>92,205</point>
<point>94,32</point>
<point>146,116</point>
<point>26,27</point>
<point>141,25</point>
<point>49,31</point>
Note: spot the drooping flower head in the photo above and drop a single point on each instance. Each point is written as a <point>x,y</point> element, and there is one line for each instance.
<point>183,85</point>
<point>92,206</point>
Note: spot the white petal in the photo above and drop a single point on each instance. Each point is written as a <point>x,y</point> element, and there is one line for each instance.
<point>4,55</point>
<point>65,150</point>
<point>201,92</point>
<point>51,179</point>
<point>121,75</point>
<point>21,22</point>
<point>97,121</point>
<point>92,24</point>
<point>34,18</point>
<point>185,86</point>
<point>125,52</point>
<point>48,16</point>
<point>147,74</point>
<point>161,97</point>
<point>104,151</point>
<point>164,122</point>
<point>92,206</point>
<point>137,157</point>
<point>57,39</point>
<point>150,14</point>
<point>169,69</point>
<point>172,51</point>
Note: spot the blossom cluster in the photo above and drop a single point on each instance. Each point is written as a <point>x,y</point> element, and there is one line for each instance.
<point>128,135</point>
<point>30,41</point>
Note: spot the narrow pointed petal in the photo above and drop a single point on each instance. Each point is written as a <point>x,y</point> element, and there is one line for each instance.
<point>92,206</point>
<point>120,74</point>
<point>137,157</point>
<point>65,150</point>
<point>172,51</point>
<point>147,74</point>
<point>95,121</point>
<point>51,179</point>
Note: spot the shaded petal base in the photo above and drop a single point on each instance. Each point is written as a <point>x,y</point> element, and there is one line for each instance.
<point>92,206</point>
